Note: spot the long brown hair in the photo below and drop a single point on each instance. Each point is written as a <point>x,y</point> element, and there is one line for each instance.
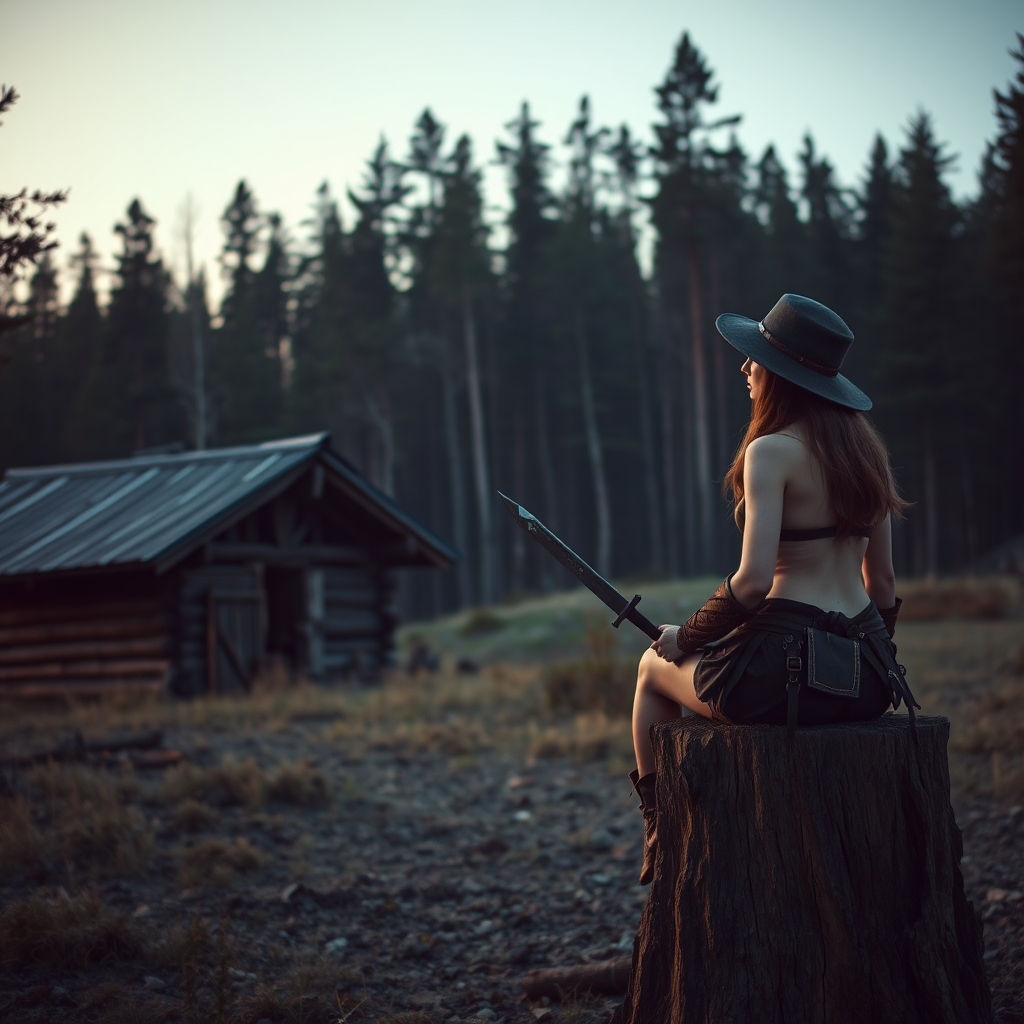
<point>851,453</point>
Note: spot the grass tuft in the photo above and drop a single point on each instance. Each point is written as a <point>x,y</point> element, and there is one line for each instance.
<point>216,862</point>
<point>299,783</point>
<point>65,931</point>
<point>193,815</point>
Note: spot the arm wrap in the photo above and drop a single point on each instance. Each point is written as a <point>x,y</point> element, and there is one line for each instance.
<point>889,616</point>
<point>720,615</point>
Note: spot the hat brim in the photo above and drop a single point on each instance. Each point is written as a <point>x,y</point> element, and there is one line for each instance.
<point>744,335</point>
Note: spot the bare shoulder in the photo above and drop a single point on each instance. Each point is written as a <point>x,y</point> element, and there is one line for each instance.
<point>781,449</point>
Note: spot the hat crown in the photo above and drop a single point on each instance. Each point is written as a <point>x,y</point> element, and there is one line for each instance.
<point>812,331</point>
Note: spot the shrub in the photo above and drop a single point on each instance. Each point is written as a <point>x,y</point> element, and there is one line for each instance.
<point>599,681</point>
<point>481,621</point>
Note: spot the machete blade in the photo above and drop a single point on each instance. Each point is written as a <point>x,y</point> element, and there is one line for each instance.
<point>588,576</point>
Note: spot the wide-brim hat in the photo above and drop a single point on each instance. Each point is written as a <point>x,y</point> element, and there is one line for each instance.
<point>801,340</point>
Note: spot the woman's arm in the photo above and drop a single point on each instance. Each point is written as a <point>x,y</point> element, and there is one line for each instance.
<point>879,577</point>
<point>765,467</point>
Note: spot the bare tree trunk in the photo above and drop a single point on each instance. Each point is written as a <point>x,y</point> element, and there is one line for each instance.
<point>549,580</point>
<point>483,485</point>
<point>380,417</point>
<point>931,507</point>
<point>604,514</point>
<point>701,421</point>
<point>457,483</point>
<point>687,514</point>
<point>547,469</point>
<point>970,511</point>
<point>718,363</point>
<point>669,458</point>
<point>519,475</point>
<point>198,353</point>
<point>657,549</point>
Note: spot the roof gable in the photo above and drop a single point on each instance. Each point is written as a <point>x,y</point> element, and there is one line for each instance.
<point>155,510</point>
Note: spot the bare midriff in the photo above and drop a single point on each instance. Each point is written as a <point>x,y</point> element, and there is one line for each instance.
<point>824,572</point>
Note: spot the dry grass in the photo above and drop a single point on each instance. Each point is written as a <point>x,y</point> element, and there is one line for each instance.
<point>231,784</point>
<point>236,783</point>
<point>931,600</point>
<point>215,861</point>
<point>73,818</point>
<point>587,737</point>
<point>299,783</point>
<point>996,722</point>
<point>59,930</point>
<point>599,681</point>
<point>193,815</point>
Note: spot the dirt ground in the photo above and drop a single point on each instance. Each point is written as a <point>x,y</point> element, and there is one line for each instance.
<point>404,852</point>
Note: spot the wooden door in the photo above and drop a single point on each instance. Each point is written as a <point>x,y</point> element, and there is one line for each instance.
<point>234,640</point>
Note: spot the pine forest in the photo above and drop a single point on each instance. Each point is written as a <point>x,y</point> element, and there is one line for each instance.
<point>565,351</point>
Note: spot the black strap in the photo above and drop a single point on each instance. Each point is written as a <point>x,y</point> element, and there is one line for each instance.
<point>819,534</point>
<point>794,664</point>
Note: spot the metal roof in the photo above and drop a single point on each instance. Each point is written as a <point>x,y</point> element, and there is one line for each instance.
<point>159,508</point>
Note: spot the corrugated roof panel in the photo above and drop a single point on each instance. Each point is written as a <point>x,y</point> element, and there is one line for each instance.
<point>132,511</point>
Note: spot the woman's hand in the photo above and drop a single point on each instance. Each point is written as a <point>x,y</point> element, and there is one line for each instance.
<point>667,645</point>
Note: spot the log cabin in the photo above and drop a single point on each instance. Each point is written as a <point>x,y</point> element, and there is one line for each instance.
<point>188,573</point>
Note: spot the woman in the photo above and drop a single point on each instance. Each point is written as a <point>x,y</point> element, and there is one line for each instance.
<point>800,632</point>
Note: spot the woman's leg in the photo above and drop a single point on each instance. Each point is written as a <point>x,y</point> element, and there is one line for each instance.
<point>661,687</point>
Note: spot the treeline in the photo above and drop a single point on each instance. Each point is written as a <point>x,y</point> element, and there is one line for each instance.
<point>446,365</point>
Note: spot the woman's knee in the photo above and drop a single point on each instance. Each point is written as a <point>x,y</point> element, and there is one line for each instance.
<point>647,670</point>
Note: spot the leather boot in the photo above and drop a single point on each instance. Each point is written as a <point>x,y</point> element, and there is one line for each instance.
<point>645,789</point>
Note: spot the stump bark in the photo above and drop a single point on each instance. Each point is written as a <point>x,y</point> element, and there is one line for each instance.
<point>818,885</point>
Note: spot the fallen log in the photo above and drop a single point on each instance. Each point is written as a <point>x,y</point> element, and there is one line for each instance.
<point>818,883</point>
<point>609,977</point>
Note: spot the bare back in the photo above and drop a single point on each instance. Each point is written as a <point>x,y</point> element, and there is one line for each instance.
<point>784,490</point>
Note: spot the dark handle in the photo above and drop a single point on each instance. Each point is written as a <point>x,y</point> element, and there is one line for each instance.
<point>629,613</point>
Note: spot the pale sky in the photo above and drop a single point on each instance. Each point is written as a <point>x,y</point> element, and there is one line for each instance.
<point>123,99</point>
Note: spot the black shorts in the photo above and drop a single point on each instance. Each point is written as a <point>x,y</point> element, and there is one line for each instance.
<point>743,676</point>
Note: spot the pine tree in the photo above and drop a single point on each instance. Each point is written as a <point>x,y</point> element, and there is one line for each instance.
<point>245,361</point>
<point>526,354</point>
<point>574,273</point>
<point>626,155</point>
<point>686,216</point>
<point>458,280</point>
<point>829,226</point>
<point>79,345</point>
<point>783,262</point>
<point>919,388</point>
<point>875,209</point>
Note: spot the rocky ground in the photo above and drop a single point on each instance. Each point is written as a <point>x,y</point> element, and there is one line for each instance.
<point>400,854</point>
<point>312,879</point>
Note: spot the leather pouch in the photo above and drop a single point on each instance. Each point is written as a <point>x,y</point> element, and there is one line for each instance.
<point>833,663</point>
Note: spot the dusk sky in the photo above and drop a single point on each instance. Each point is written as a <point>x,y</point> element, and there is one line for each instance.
<point>161,100</point>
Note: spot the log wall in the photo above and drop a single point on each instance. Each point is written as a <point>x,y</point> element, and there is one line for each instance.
<point>66,640</point>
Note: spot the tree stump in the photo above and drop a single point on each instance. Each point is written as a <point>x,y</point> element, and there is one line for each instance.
<point>818,885</point>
